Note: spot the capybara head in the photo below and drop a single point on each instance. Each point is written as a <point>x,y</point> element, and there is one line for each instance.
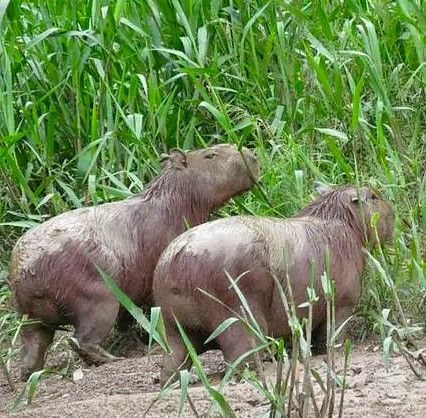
<point>222,170</point>
<point>356,206</point>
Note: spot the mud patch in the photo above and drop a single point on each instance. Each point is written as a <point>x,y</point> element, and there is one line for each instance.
<point>128,388</point>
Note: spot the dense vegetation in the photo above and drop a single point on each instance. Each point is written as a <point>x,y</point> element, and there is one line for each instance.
<point>92,92</point>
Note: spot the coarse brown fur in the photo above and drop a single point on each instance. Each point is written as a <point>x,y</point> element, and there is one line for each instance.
<point>256,249</point>
<point>53,266</point>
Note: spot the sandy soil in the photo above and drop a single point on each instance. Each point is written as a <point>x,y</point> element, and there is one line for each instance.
<point>127,388</point>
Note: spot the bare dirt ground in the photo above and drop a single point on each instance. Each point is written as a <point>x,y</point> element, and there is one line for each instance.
<point>128,387</point>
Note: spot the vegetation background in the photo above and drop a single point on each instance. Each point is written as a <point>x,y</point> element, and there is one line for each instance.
<point>91,92</point>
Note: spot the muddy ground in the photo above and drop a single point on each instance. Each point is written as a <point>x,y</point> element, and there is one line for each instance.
<point>127,388</point>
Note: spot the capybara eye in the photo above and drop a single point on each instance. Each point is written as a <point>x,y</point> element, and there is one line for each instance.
<point>211,155</point>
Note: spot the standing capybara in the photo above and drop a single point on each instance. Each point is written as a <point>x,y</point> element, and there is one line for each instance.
<point>53,266</point>
<point>254,249</point>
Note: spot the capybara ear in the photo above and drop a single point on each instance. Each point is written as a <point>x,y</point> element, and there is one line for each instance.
<point>176,159</point>
<point>165,160</point>
<point>321,188</point>
<point>362,194</point>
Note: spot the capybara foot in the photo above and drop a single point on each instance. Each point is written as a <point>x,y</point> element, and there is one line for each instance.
<point>25,374</point>
<point>174,361</point>
<point>93,354</point>
<point>35,339</point>
<point>319,349</point>
<point>251,367</point>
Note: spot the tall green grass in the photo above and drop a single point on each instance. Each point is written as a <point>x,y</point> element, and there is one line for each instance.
<point>92,92</point>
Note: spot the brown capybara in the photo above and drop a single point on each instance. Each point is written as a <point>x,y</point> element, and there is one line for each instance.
<point>53,271</point>
<point>254,249</point>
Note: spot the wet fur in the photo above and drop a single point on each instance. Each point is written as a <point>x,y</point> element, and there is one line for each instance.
<point>259,248</point>
<point>53,271</point>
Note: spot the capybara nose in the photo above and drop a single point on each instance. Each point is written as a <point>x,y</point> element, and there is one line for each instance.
<point>252,162</point>
<point>249,154</point>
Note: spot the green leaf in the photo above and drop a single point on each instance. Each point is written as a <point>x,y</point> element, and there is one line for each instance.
<point>317,44</point>
<point>118,10</point>
<point>333,132</point>
<point>202,45</point>
<point>3,8</point>
<point>20,224</point>
<point>134,310</point>
<point>339,330</point>
<point>184,383</point>
<point>221,328</point>
<point>70,193</point>
<point>220,116</point>
<point>132,26</point>
<point>33,383</point>
<point>387,349</point>
<point>42,36</point>
<point>356,103</point>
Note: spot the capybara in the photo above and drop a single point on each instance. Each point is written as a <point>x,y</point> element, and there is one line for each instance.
<point>256,248</point>
<point>53,267</point>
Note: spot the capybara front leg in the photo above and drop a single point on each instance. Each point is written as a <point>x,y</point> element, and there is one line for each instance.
<point>236,341</point>
<point>177,359</point>
<point>95,321</point>
<point>319,337</point>
<point>35,339</point>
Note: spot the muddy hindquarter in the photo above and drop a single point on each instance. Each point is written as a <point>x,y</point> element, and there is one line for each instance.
<point>58,285</point>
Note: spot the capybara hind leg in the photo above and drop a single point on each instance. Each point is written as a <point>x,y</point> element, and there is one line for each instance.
<point>35,339</point>
<point>177,359</point>
<point>95,321</point>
